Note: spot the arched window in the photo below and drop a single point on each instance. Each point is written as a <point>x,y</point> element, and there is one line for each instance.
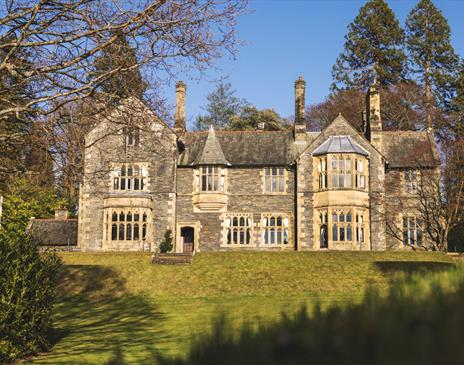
<point>125,225</point>
<point>275,229</point>
<point>359,227</point>
<point>238,229</point>
<point>342,222</point>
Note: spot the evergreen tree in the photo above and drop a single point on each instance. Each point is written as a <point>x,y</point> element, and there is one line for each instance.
<point>457,105</point>
<point>431,54</point>
<point>166,244</point>
<point>127,81</point>
<point>15,90</point>
<point>372,50</point>
<point>222,106</point>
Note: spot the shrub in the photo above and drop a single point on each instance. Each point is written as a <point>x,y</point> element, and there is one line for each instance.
<point>166,245</point>
<point>27,283</point>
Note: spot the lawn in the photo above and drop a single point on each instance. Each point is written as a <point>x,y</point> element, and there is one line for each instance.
<point>117,308</point>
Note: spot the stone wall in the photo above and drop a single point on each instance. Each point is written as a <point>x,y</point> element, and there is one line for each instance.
<point>245,195</point>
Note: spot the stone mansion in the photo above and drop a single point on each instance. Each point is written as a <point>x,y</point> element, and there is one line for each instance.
<point>337,189</point>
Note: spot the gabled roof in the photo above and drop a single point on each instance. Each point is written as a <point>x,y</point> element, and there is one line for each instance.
<point>340,144</point>
<point>409,149</point>
<point>246,148</point>
<point>211,153</point>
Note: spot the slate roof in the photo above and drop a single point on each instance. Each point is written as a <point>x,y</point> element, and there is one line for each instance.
<point>211,153</point>
<point>340,144</point>
<point>409,148</point>
<point>277,148</point>
<point>54,232</point>
<point>246,148</point>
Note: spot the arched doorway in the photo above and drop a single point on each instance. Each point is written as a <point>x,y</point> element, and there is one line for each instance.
<point>324,237</point>
<point>188,239</point>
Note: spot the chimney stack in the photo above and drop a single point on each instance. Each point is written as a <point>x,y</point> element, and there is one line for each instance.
<point>374,120</point>
<point>300,120</point>
<point>180,115</point>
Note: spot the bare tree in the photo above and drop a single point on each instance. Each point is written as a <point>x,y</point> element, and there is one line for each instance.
<point>62,38</point>
<point>437,198</point>
<point>49,51</point>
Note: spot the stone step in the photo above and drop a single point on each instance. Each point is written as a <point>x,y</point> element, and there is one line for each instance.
<point>172,258</point>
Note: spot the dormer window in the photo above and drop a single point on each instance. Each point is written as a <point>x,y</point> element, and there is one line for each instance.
<point>132,137</point>
<point>129,177</point>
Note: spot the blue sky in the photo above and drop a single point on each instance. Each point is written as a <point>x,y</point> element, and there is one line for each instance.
<point>286,39</point>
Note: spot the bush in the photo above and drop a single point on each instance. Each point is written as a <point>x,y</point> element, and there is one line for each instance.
<point>166,245</point>
<point>420,322</point>
<point>27,283</point>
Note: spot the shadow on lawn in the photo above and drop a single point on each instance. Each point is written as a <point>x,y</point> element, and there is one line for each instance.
<point>95,316</point>
<point>408,268</point>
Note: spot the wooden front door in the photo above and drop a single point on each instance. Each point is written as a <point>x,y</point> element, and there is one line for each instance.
<point>188,235</point>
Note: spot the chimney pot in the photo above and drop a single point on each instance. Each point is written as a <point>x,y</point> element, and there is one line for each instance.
<point>300,120</point>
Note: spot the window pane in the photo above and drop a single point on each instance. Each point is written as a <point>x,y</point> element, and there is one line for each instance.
<point>121,232</point>
<point>341,163</point>
<point>242,237</point>
<point>136,184</point>
<point>347,180</point>
<point>266,236</point>
<point>348,164</point>
<point>342,233</point>
<point>335,233</point>
<point>272,236</point>
<point>129,217</point>
<point>285,236</point>
<point>203,183</point>
<point>274,183</point>
<point>272,221</point>
<point>210,183</point>
<point>348,217</point>
<point>334,180</point>
<point>281,184</point>
<point>279,236</point>
<point>144,217</point>
<point>136,231</point>
<point>114,231</point>
<point>235,236</point>
<point>268,183</point>
<point>349,233</point>
<point>334,217</point>
<point>342,217</point>
<point>123,184</point>
<point>121,217</point>
<point>248,236</point>
<point>242,221</point>
<point>229,237</point>
<point>341,181</point>
<point>128,232</point>
<point>279,221</point>
<point>216,183</point>
<point>114,217</point>
<point>144,231</point>
<point>363,182</point>
<point>116,183</point>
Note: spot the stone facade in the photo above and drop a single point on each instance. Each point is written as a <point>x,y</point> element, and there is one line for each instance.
<point>337,189</point>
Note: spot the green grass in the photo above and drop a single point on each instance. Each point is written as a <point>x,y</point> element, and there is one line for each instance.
<point>117,308</point>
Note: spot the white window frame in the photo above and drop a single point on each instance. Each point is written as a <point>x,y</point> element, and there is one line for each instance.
<point>238,230</point>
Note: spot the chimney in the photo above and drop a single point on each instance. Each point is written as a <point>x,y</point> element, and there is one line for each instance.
<point>179,116</point>
<point>61,214</point>
<point>373,118</point>
<point>300,121</point>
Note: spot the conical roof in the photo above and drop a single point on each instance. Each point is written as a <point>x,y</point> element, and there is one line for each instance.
<point>340,144</point>
<point>211,153</point>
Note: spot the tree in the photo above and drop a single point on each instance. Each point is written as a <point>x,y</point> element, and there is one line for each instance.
<point>250,118</point>
<point>166,245</point>
<point>27,277</point>
<point>222,106</point>
<point>64,38</point>
<point>120,54</point>
<point>432,57</point>
<point>456,126</point>
<point>401,108</point>
<point>372,50</point>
